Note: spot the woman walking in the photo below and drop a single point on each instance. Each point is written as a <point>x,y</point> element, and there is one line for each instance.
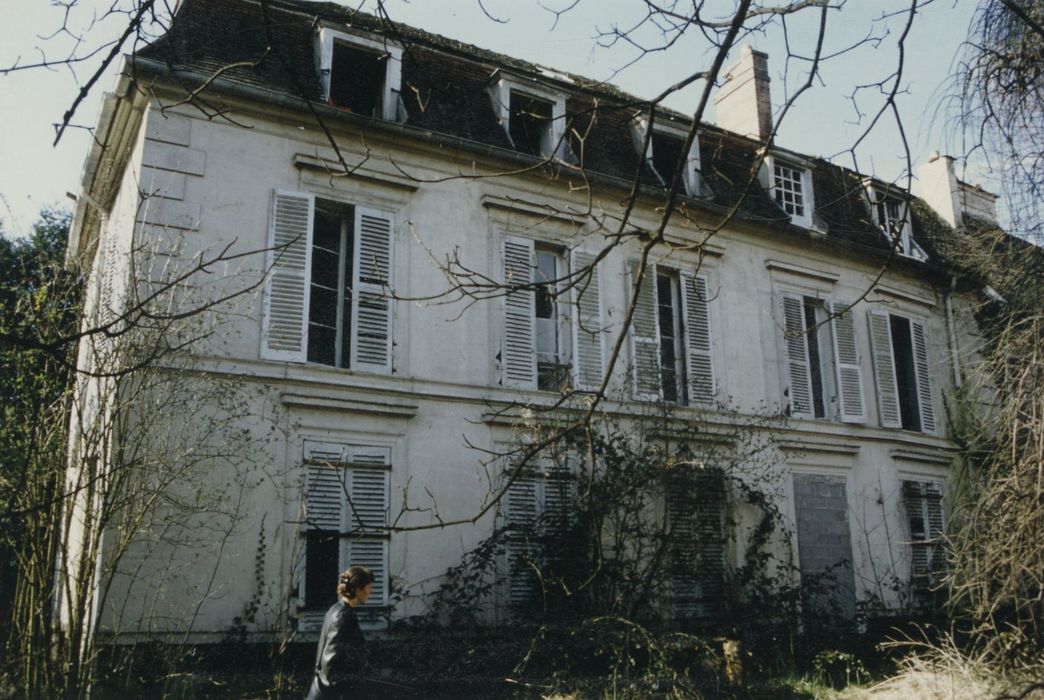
<point>341,642</point>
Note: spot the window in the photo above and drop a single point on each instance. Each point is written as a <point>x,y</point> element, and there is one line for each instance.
<point>924,511</point>
<point>666,151</point>
<point>327,297</point>
<point>892,215</point>
<point>532,115</point>
<point>695,528</point>
<point>346,501</point>
<point>552,331</point>
<point>823,377</point>
<point>904,390</point>
<point>536,511</point>
<point>791,187</point>
<point>671,351</point>
<point>360,75</point>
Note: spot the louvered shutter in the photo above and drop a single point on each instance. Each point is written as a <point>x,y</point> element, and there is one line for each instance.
<point>518,346</point>
<point>685,585</point>
<point>588,335</point>
<point>695,513</point>
<point>522,512</point>
<point>849,374</point>
<point>110,262</point>
<point>933,509</point>
<point>924,384</point>
<point>698,349</point>
<point>923,502</point>
<point>884,369</point>
<point>372,304</point>
<point>284,334</point>
<point>645,335</point>
<point>795,337</point>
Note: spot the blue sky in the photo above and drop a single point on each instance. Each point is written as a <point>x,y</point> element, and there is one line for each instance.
<point>825,121</point>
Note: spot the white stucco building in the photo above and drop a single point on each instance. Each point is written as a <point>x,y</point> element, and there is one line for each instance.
<point>367,381</point>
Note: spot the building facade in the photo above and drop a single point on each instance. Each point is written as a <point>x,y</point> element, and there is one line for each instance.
<point>420,244</point>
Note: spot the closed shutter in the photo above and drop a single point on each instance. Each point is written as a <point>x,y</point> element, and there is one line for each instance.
<point>681,519</point>
<point>110,262</point>
<point>371,291</point>
<point>518,347</point>
<point>284,334</point>
<point>796,342</point>
<point>923,502</point>
<point>698,348</point>
<point>588,336</point>
<point>849,374</point>
<point>884,369</point>
<point>924,384</point>
<point>522,511</point>
<point>695,513</point>
<point>645,335</point>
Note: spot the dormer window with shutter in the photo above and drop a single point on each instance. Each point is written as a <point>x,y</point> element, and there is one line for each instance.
<point>328,296</point>
<point>360,74</point>
<point>533,116</point>
<point>665,152</point>
<point>823,378</point>
<point>790,185</point>
<point>671,340</point>
<point>345,519</point>
<point>891,213</point>
<point>552,334</point>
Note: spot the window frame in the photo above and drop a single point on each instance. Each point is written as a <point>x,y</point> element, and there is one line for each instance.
<point>931,542</point>
<point>327,37</point>
<point>503,85</point>
<point>878,198</point>
<point>692,175</point>
<point>886,372</point>
<point>561,319</point>
<point>806,219</point>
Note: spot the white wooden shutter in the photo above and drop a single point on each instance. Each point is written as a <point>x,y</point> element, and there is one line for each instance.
<point>645,335</point>
<point>371,291</point>
<point>588,336</point>
<point>698,355</point>
<point>522,511</point>
<point>923,501</point>
<point>924,383</point>
<point>849,374</point>
<point>795,337</point>
<point>884,369</point>
<point>518,346</point>
<point>284,334</point>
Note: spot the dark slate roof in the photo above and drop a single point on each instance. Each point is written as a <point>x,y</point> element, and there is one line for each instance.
<point>270,46</point>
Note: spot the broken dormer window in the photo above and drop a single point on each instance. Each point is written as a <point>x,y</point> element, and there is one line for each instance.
<point>530,124</point>
<point>667,152</point>
<point>892,215</point>
<point>357,80</point>
<point>360,74</point>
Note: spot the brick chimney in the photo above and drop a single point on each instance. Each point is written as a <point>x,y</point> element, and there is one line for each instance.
<point>951,198</point>
<point>743,103</point>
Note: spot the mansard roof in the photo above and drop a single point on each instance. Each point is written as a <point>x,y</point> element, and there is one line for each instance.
<point>270,46</point>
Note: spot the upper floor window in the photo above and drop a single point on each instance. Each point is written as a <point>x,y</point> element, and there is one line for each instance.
<point>790,184</point>
<point>360,74</point>
<point>904,388</point>
<point>671,347</point>
<point>327,298</point>
<point>823,377</point>
<point>665,153</point>
<point>552,334</point>
<point>533,116</point>
<point>892,215</point>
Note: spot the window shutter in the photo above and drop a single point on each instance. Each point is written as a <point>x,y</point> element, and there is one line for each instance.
<point>371,291</point>
<point>695,514</point>
<point>846,364</point>
<point>685,587</point>
<point>884,369</point>
<point>522,512</point>
<point>284,334</point>
<point>924,384</point>
<point>518,347</point>
<point>923,502</point>
<point>325,492</point>
<point>700,364</point>
<point>645,335</point>
<point>796,342</point>
<point>588,336</point>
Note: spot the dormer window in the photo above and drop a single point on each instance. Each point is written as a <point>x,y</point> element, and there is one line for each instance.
<point>665,150</point>
<point>533,116</point>
<point>359,74</point>
<point>790,185</point>
<point>892,216</point>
